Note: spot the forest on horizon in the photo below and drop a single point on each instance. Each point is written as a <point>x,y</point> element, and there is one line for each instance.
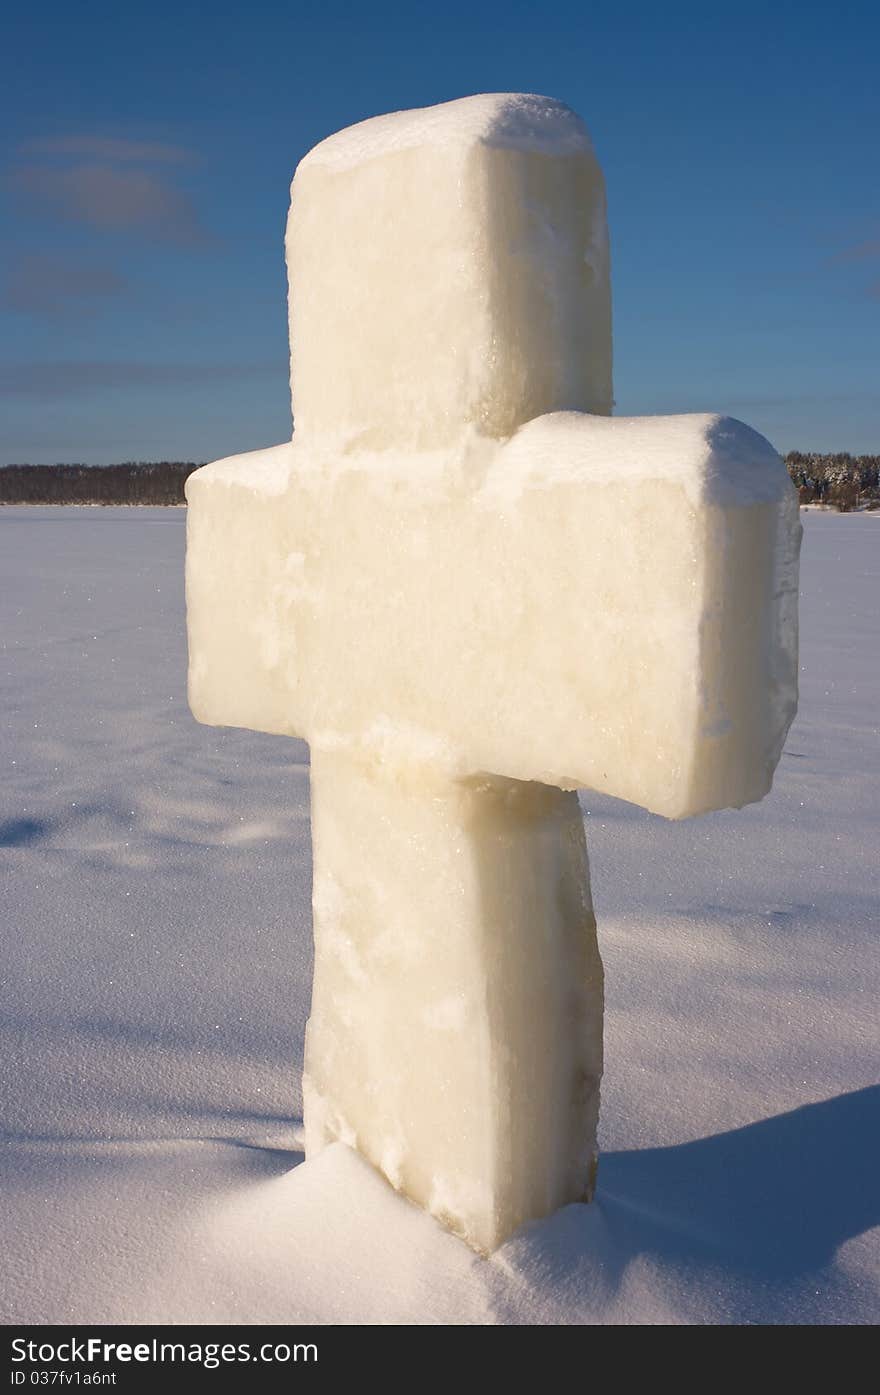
<point>844,481</point>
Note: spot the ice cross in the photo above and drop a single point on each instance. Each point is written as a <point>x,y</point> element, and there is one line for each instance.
<point>473,592</point>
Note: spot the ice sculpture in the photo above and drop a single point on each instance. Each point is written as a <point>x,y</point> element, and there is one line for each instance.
<point>472,591</point>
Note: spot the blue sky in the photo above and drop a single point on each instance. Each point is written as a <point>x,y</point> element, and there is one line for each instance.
<point>147,152</point>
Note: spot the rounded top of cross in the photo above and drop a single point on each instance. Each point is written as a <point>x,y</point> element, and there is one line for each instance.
<point>513,120</point>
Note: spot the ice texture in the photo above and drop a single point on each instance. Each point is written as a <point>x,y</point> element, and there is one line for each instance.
<point>600,603</point>
<point>448,266</point>
<point>473,593</point>
<point>455,1037</point>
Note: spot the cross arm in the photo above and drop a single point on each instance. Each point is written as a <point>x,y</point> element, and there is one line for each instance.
<point>595,602</point>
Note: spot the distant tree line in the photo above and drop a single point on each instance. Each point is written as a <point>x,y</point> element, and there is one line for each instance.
<point>134,482</point>
<point>844,481</point>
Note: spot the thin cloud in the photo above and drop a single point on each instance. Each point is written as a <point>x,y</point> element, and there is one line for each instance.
<point>861,252</point>
<point>64,378</point>
<point>111,184</point>
<point>799,399</point>
<point>858,254</point>
<point>110,148</point>
<point>112,199</point>
<point>58,287</point>
<point>757,403</point>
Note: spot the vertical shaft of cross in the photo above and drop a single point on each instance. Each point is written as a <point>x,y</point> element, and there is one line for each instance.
<point>456,1028</point>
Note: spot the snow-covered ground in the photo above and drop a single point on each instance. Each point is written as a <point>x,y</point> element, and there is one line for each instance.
<point>157,960</point>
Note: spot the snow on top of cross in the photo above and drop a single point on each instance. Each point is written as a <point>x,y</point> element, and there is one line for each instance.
<point>266,471</point>
<point>511,120</point>
<point>716,459</point>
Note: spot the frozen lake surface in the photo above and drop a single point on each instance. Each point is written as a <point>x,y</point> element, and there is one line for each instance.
<point>157,965</point>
